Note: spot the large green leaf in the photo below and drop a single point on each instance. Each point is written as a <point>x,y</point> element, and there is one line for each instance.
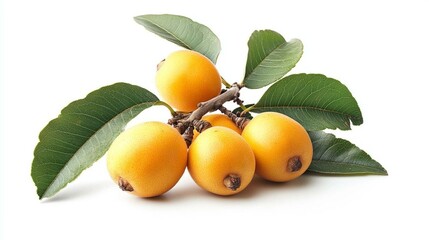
<point>333,155</point>
<point>269,58</point>
<point>314,100</point>
<point>82,134</point>
<point>183,32</point>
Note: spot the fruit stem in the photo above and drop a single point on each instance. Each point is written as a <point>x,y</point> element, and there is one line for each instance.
<point>159,65</point>
<point>161,103</point>
<point>188,135</point>
<point>240,122</point>
<point>232,181</point>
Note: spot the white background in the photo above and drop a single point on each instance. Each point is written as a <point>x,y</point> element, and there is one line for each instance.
<point>53,52</point>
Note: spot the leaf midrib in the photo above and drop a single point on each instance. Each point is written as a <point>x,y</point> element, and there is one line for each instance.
<point>346,163</point>
<point>251,73</point>
<point>80,147</point>
<point>300,107</point>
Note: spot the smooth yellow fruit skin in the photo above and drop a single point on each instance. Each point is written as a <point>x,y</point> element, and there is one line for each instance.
<point>217,152</point>
<point>151,156</point>
<point>275,138</point>
<point>187,78</point>
<point>219,120</point>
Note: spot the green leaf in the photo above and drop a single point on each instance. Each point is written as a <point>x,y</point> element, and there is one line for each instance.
<point>183,32</point>
<point>314,100</point>
<point>333,155</point>
<point>270,57</point>
<point>83,132</point>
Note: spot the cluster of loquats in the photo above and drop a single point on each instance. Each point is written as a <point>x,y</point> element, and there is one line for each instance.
<point>278,137</point>
<point>222,152</point>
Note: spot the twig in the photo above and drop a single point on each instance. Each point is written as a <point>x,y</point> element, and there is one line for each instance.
<point>185,123</point>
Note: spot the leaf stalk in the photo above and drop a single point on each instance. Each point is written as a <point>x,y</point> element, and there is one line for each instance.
<point>161,103</point>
